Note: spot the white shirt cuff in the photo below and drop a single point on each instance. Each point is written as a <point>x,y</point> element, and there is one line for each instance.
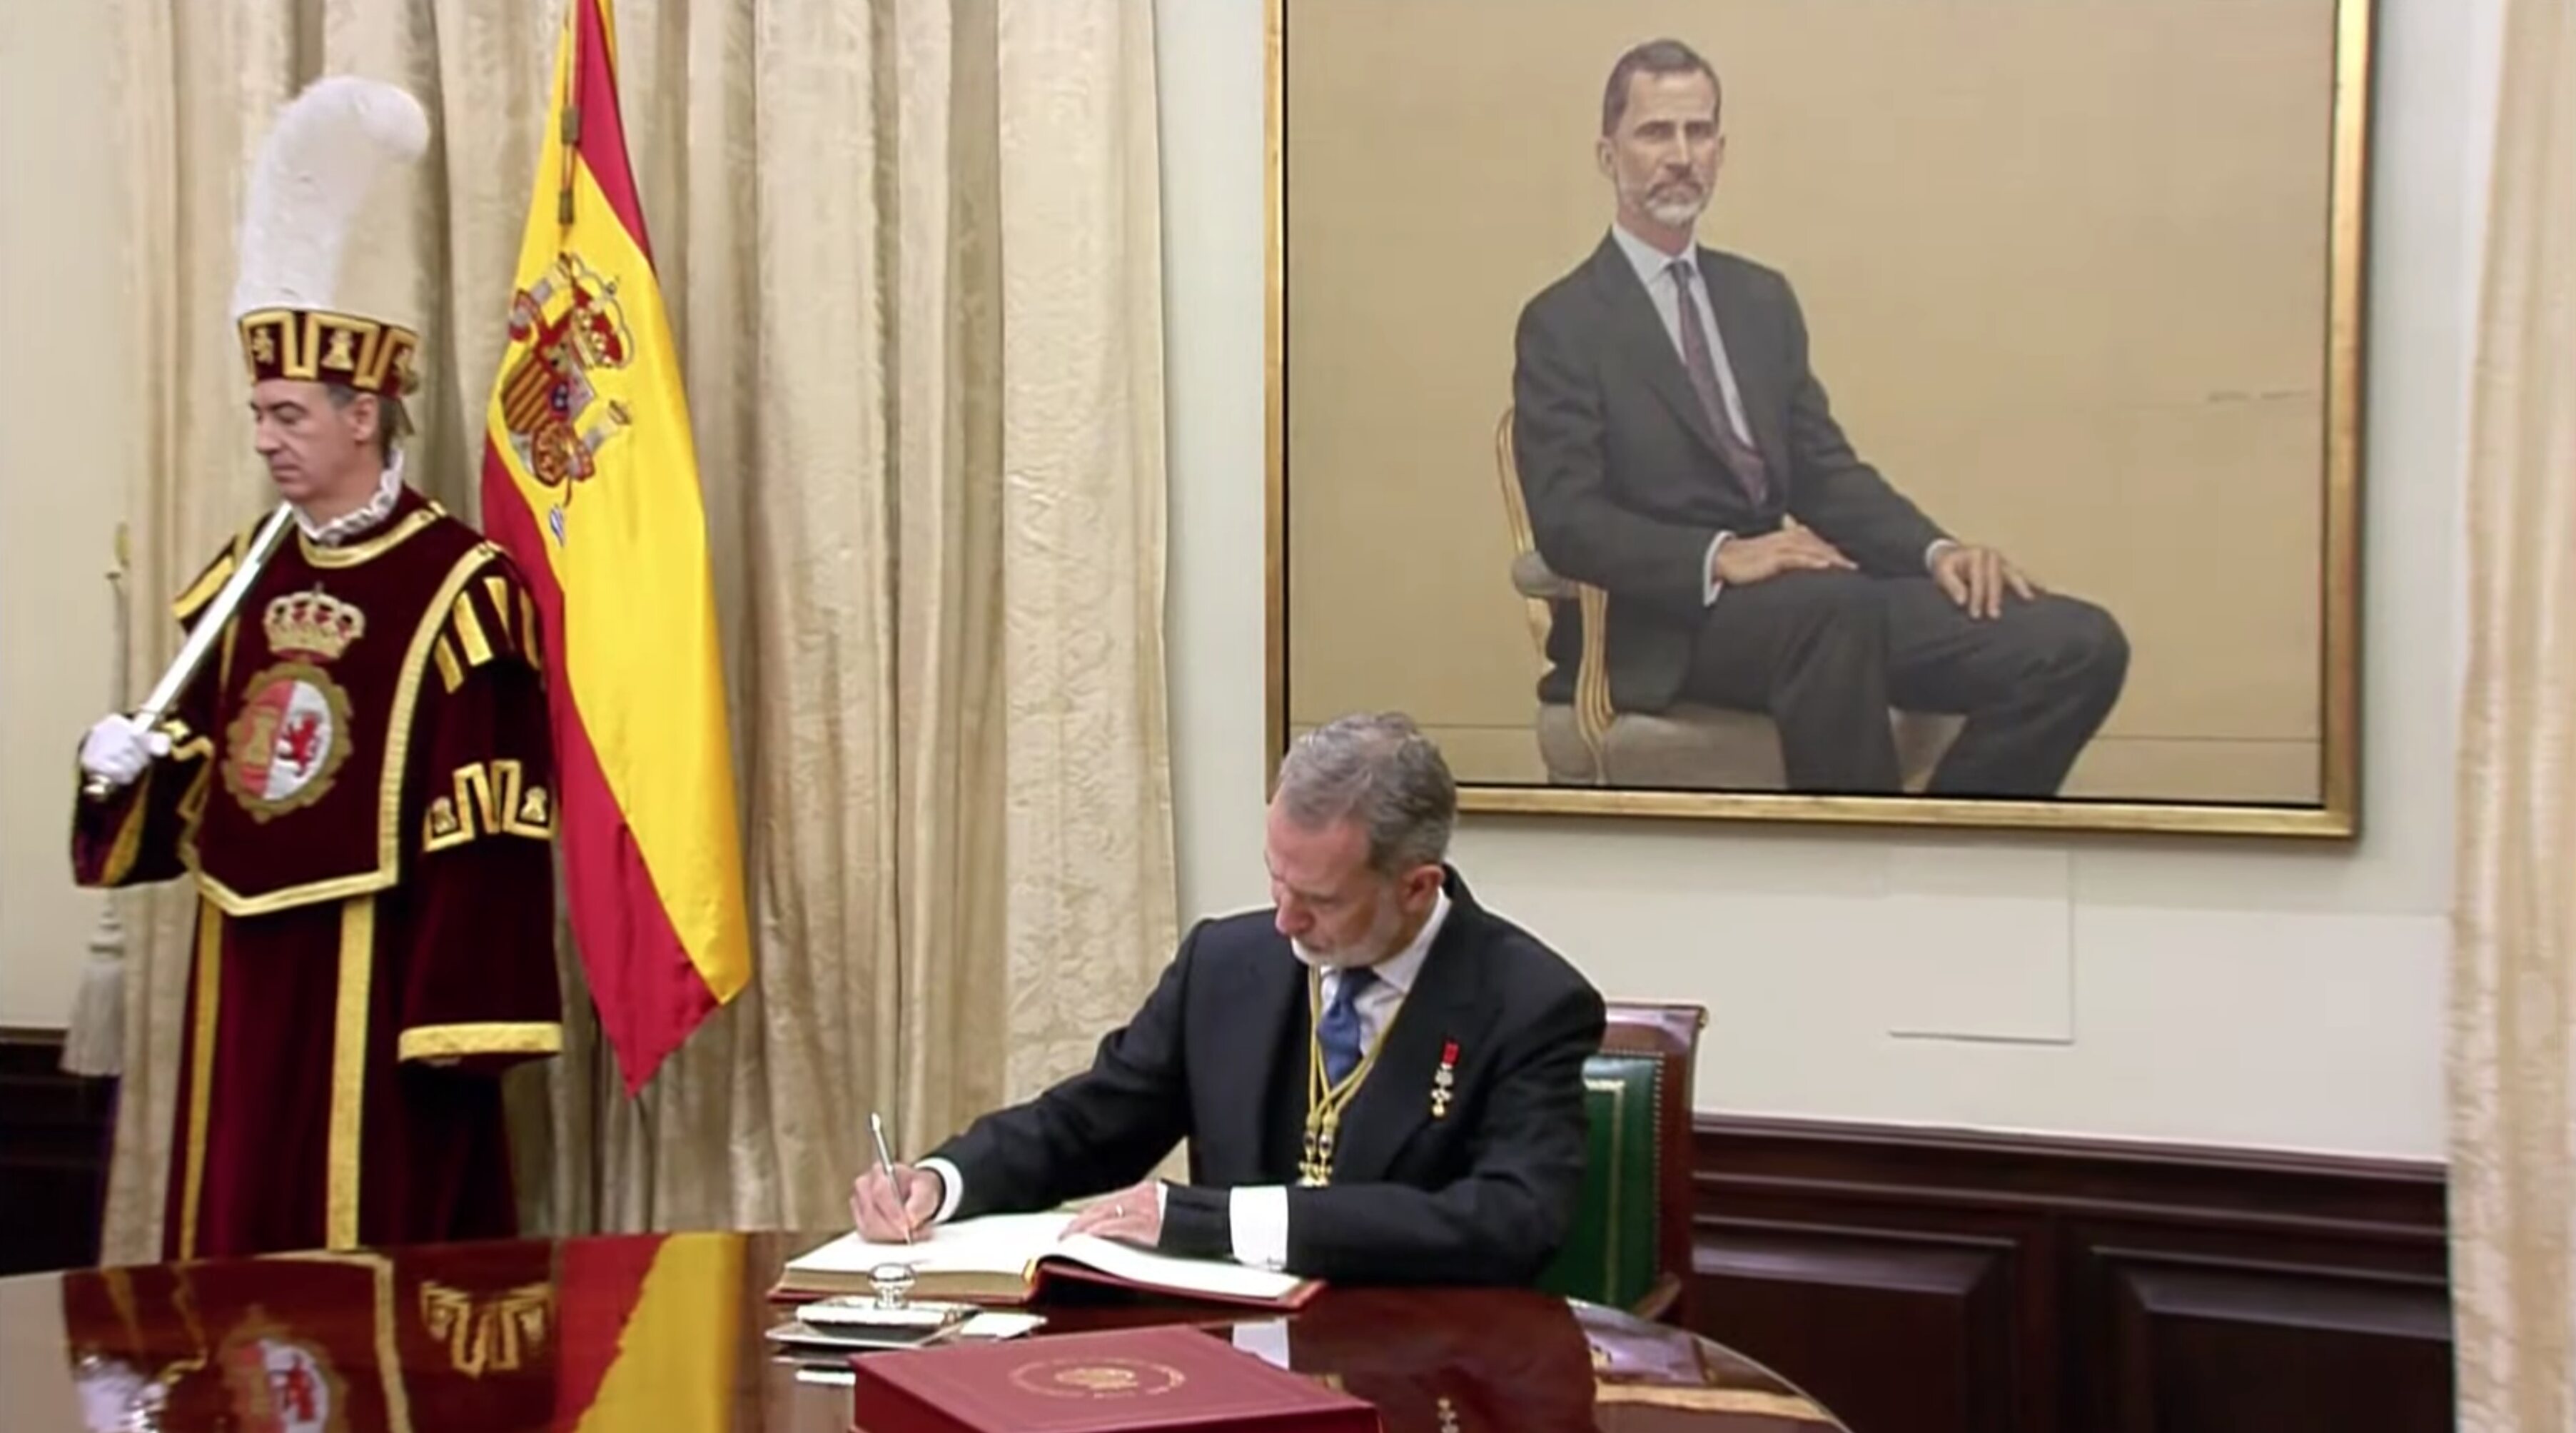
<point>1708,570</point>
<point>952,1187</point>
<point>1933,548</point>
<point>1259,1214</point>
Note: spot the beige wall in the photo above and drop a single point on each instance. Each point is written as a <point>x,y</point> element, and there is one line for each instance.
<point>2064,271</point>
<point>60,471</point>
<point>2208,990</point>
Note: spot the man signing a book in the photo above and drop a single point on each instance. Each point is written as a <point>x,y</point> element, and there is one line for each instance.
<point>1380,1080</point>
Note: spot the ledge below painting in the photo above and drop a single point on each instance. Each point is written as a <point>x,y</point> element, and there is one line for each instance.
<point>2251,770</point>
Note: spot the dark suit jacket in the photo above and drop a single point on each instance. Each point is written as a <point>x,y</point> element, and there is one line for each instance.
<point>1217,1055</point>
<point>1621,468</point>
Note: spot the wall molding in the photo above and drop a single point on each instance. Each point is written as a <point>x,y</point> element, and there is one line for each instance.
<point>1937,1280</point>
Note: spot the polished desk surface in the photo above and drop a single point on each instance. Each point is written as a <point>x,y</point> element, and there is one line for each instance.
<point>666,1332</point>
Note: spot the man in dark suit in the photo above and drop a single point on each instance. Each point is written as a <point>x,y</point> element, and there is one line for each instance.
<point>1678,452</point>
<point>1380,1081</point>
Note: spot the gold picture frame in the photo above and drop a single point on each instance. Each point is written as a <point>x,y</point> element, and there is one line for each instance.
<point>2293,734</point>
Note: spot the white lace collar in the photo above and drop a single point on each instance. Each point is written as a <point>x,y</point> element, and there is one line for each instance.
<point>366,518</point>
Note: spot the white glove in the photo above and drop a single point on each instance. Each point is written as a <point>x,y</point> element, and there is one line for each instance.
<point>119,747</point>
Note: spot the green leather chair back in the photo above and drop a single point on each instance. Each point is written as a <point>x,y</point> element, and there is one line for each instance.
<point>1610,1255</point>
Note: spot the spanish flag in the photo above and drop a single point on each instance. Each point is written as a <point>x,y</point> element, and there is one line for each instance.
<point>590,482</point>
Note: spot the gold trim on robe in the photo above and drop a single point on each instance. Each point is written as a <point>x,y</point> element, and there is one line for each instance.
<point>491,798</point>
<point>211,581</point>
<point>349,1067</point>
<point>469,632</point>
<point>488,1037</point>
<point>374,547</point>
<point>187,604</point>
<point>129,833</point>
<point>201,1070</point>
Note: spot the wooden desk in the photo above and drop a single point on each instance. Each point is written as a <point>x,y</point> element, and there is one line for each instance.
<point>665,1333</point>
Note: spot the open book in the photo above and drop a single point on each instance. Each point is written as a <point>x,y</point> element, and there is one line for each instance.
<point>1005,1258</point>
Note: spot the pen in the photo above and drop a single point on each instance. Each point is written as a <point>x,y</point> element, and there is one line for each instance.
<point>885,1161</point>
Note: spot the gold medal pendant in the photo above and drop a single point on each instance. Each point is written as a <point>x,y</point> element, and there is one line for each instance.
<point>1315,1168</point>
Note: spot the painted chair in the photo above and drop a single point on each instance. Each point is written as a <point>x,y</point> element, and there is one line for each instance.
<point>1684,747</point>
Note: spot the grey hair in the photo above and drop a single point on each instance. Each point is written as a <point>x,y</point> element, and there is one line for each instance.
<point>1654,57</point>
<point>393,420</point>
<point>1378,769</point>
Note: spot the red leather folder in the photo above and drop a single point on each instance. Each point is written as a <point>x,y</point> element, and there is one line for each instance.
<point>1115,1381</point>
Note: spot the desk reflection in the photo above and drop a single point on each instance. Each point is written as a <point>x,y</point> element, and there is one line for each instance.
<point>663,1332</point>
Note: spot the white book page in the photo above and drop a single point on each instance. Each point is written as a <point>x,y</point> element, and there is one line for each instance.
<point>1006,1243</point>
<point>1210,1276</point>
<point>993,1243</point>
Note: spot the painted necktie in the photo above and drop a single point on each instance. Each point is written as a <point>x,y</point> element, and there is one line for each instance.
<point>1742,459</point>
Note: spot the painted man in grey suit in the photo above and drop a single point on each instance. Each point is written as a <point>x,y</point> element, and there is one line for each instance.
<point>1668,432</point>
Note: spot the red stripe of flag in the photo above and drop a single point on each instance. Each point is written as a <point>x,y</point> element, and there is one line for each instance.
<point>602,136</point>
<point>596,1291</point>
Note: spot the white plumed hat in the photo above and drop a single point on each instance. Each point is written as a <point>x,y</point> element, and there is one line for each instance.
<point>307,192</point>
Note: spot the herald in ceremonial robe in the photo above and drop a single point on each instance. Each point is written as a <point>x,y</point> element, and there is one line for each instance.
<point>361,784</point>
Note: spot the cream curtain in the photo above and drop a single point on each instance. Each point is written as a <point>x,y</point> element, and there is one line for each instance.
<point>911,249</point>
<point>2513,1037</point>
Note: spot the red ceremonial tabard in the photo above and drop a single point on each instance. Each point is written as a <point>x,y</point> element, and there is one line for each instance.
<point>360,782</point>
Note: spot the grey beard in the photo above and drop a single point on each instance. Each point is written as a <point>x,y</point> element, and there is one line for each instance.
<point>1676,213</point>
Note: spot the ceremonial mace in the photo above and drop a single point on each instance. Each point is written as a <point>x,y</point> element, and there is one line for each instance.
<point>203,636</point>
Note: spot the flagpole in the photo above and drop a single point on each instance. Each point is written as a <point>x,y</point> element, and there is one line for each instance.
<point>570,119</point>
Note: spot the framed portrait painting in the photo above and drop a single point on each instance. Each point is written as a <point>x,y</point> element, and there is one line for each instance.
<point>1859,411</point>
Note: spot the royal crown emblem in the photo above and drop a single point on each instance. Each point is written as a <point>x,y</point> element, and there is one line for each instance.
<point>566,328</point>
<point>314,624</point>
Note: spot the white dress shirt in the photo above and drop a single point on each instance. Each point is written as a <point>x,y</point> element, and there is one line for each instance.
<point>1258,1214</point>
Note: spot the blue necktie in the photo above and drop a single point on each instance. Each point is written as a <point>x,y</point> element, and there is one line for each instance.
<point>1339,1031</point>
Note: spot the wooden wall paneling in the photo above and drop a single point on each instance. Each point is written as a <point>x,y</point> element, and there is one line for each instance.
<point>1935,1309</point>
<point>2197,1343</point>
<point>1936,1280</point>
